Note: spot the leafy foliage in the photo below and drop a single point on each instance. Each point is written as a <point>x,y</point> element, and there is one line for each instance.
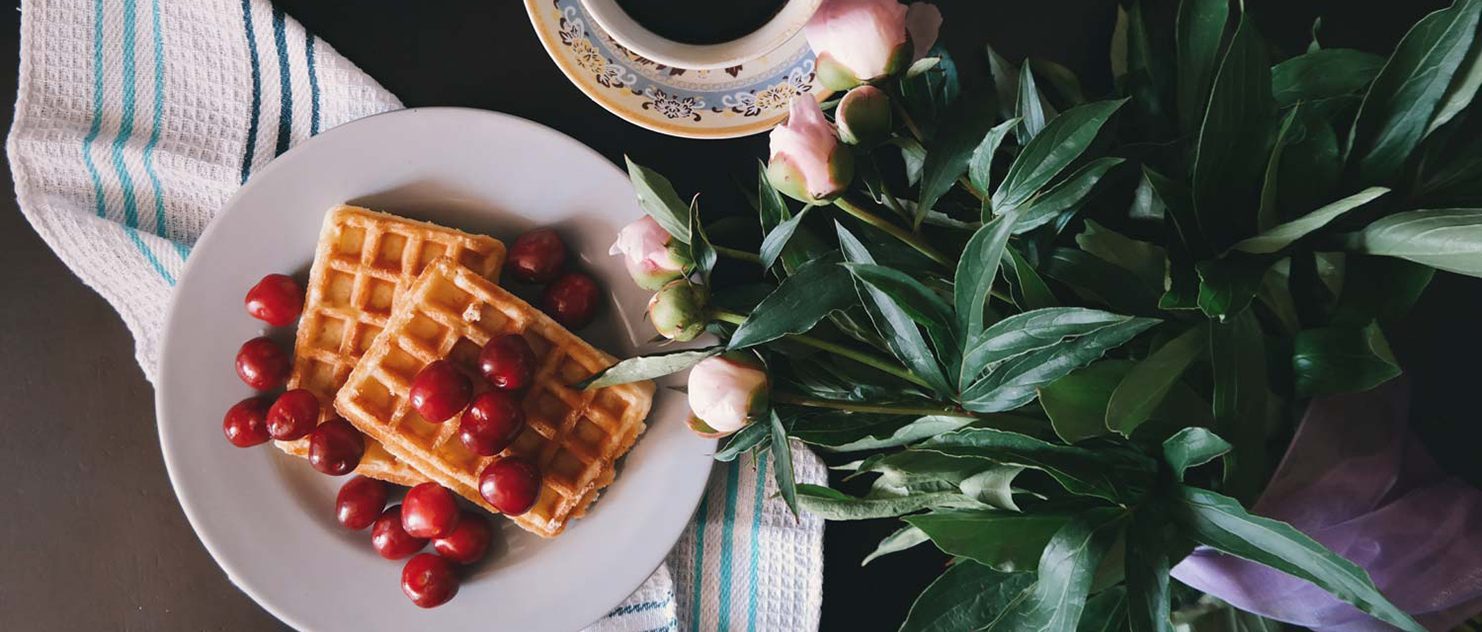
<point>1063,339</point>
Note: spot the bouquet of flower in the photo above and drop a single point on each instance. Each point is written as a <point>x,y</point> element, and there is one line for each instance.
<point>1065,339</point>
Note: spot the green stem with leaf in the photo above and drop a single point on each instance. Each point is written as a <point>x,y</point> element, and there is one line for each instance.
<point>867,359</point>
<point>856,407</point>
<point>915,130</point>
<point>911,239</point>
<point>739,255</point>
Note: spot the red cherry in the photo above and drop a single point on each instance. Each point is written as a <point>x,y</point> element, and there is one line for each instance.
<point>536,256</point>
<point>491,423</point>
<point>359,502</point>
<point>467,543</point>
<point>571,300</point>
<point>335,447</point>
<point>390,540</point>
<point>246,422</point>
<point>277,300</point>
<point>429,580</point>
<point>262,364</point>
<point>429,511</point>
<point>511,485</point>
<point>508,362</point>
<point>440,390</point>
<point>294,415</point>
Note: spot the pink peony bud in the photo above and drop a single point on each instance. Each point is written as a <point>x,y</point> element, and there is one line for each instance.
<point>864,116</point>
<point>652,255</point>
<point>859,41</point>
<point>807,162</point>
<point>677,311</point>
<point>726,392</point>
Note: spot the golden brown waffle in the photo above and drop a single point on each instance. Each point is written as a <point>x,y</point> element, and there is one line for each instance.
<point>575,437</point>
<point>364,261</point>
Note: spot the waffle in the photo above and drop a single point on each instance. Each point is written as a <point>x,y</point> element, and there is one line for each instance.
<point>575,437</point>
<point>364,261</point>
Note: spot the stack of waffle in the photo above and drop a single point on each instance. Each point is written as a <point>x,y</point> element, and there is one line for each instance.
<point>389,295</point>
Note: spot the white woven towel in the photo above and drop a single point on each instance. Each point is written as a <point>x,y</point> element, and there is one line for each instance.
<point>137,119</point>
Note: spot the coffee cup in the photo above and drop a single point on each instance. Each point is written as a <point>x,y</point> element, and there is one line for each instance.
<point>783,26</point>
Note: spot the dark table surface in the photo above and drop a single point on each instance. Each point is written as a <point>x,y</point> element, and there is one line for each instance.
<point>96,539</point>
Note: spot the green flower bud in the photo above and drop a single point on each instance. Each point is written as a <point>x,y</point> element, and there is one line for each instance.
<point>677,311</point>
<point>864,116</point>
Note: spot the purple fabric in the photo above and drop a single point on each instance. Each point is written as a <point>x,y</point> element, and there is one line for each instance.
<point>1357,480</point>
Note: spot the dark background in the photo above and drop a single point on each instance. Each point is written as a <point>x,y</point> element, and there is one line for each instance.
<point>93,537</point>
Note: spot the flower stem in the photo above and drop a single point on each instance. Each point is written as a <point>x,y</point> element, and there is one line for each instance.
<point>867,359</point>
<point>856,407</point>
<point>902,234</point>
<point>739,255</point>
<point>916,133</point>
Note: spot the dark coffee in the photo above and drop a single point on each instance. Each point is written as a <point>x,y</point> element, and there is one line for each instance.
<point>702,21</point>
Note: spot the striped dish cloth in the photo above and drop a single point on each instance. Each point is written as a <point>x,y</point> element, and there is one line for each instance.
<point>137,119</point>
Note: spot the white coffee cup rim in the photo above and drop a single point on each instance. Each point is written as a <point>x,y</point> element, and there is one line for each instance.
<point>637,38</point>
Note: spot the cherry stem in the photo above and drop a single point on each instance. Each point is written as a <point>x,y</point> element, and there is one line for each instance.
<point>867,359</point>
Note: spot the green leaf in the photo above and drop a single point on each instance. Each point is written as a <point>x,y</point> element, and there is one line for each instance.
<point>1390,288</point>
<point>1220,523</point>
<point>1310,164</point>
<point>1143,389</point>
<point>1068,194</point>
<point>1063,140</point>
<point>647,367</point>
<point>1000,539</point>
<point>1105,612</point>
<point>913,154</point>
<point>1147,261</point>
<point>947,155</point>
<point>1066,568</point>
<point>1030,107</point>
<point>921,66</point>
<point>701,251</point>
<point>834,505</point>
<point>1192,447</point>
<point>1323,74</point>
<point>1015,383</point>
<point>985,482</point>
<point>1146,570</point>
<point>895,326</point>
<point>1463,89</point>
<point>930,95</point>
<point>1446,239</point>
<point>1076,403</point>
<point>1005,77</point>
<point>904,538</point>
<point>1080,471</point>
<point>1174,197</point>
<point>776,240</point>
<point>657,198</point>
<point>1405,96</point>
<point>819,287</point>
<point>1281,236</point>
<point>1149,71</point>
<point>1341,360</point>
<point>745,439</point>
<point>1201,27</point>
<point>1231,148</point>
<point>1029,290</point>
<point>980,166</point>
<point>976,271</point>
<point>1097,280</point>
<point>1266,214</point>
<point>918,302</point>
<point>782,465</point>
<point>1062,80</point>
<point>848,432</point>
<point>1226,286</point>
<point>1237,354</point>
<point>967,596</point>
<point>1031,331</point>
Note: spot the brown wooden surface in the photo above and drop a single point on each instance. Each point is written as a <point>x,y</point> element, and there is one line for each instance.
<point>95,538</point>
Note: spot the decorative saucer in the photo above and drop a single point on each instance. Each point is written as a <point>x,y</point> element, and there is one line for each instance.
<point>709,104</point>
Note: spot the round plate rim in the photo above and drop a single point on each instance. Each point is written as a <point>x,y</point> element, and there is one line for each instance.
<point>209,236</point>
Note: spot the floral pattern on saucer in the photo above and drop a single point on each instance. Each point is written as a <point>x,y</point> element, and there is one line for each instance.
<point>725,103</point>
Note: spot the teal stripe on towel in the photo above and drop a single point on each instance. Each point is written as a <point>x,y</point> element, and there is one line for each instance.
<point>700,514</point>
<point>154,134</point>
<point>727,540</point>
<point>251,149</point>
<point>285,86</point>
<point>756,531</point>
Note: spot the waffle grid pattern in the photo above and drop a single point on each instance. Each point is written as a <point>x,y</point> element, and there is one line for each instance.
<point>574,437</point>
<point>364,261</point>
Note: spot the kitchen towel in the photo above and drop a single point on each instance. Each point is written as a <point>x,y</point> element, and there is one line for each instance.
<point>137,119</point>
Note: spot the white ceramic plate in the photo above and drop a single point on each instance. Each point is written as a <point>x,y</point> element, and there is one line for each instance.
<point>268,518</point>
